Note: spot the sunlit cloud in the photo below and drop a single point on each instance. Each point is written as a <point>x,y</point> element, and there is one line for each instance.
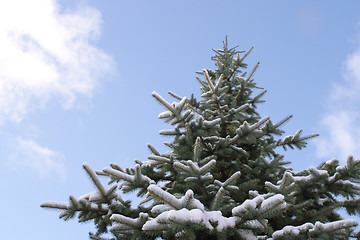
<point>341,122</point>
<point>47,53</point>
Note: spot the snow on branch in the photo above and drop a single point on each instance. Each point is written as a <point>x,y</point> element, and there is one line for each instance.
<point>126,224</point>
<point>203,219</point>
<point>328,230</point>
<point>209,82</point>
<point>163,102</point>
<point>95,179</point>
<point>119,175</point>
<point>54,204</point>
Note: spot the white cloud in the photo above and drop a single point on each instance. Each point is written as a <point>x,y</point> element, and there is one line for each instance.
<point>341,123</point>
<point>44,161</point>
<point>46,53</point>
<point>339,139</point>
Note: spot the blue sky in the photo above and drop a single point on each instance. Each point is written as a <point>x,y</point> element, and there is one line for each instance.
<point>76,79</point>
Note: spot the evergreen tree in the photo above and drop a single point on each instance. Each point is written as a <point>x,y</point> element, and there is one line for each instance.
<point>223,177</point>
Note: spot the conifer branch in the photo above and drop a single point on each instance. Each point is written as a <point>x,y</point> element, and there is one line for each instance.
<point>206,167</point>
<point>175,95</point>
<point>245,130</point>
<point>201,82</point>
<point>203,187</point>
<point>164,196</point>
<point>257,97</point>
<point>187,128</point>
<point>238,96</point>
<point>95,180</point>
<point>276,160</point>
<point>217,85</point>
<point>250,183</point>
<point>283,121</point>
<point>275,206</point>
<point>153,150</point>
<point>196,149</point>
<point>236,68</point>
<point>326,210</point>
<point>309,137</point>
<point>207,159</point>
<point>163,102</point>
<point>217,51</point>
<point>118,174</point>
<point>182,167</point>
<point>232,179</point>
<point>253,71</point>
<point>210,84</point>
<point>222,188</point>
<point>192,108</point>
<point>264,225</point>
<point>170,145</point>
<point>194,169</point>
<point>246,54</point>
<point>54,205</point>
<point>217,198</point>
<point>159,159</point>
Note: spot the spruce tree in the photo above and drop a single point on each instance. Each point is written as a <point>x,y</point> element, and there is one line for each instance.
<point>223,177</point>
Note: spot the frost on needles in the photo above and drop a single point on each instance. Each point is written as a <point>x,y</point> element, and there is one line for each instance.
<point>222,177</point>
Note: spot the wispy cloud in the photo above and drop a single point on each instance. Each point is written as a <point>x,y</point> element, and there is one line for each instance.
<point>47,53</point>
<point>341,122</point>
<point>28,154</point>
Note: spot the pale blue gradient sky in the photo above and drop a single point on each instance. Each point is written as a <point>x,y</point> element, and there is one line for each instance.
<point>103,110</point>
